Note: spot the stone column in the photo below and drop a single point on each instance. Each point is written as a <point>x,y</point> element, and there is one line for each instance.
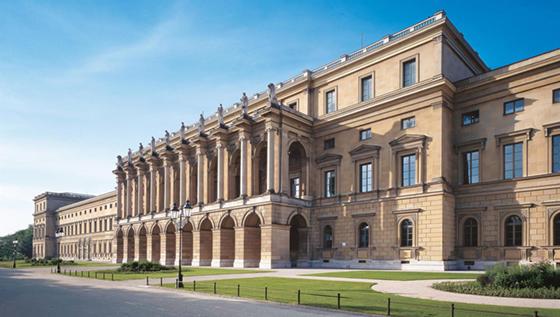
<point>120,180</point>
<point>166,183</point>
<point>243,166</point>
<point>196,248</point>
<point>275,246</point>
<point>220,183</point>
<point>200,176</point>
<point>153,186</point>
<point>140,192</point>
<point>128,194</point>
<point>216,249</point>
<point>182,175</point>
<point>270,159</point>
<point>136,246</point>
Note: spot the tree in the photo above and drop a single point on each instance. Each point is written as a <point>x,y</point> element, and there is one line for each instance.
<point>24,248</point>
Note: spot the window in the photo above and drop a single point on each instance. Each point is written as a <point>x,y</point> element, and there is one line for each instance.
<point>556,96</point>
<point>366,86</point>
<point>407,123</point>
<point>294,187</point>
<point>365,134</point>
<point>331,101</point>
<point>330,181</point>
<point>406,233</point>
<point>556,154</point>
<point>470,233</point>
<point>471,161</point>
<point>327,237</point>
<point>470,118</point>
<point>556,230</point>
<point>514,228</point>
<point>366,178</point>
<point>513,160</point>
<point>328,144</point>
<point>293,105</point>
<point>514,106</point>
<point>363,241</point>
<point>409,73</point>
<point>408,170</point>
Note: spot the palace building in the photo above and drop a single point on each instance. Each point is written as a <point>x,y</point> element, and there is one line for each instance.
<point>406,154</point>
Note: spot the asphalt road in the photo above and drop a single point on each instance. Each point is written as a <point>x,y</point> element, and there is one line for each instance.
<point>38,294</point>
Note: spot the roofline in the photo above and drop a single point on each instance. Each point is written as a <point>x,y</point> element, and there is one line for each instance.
<point>87,201</point>
<point>510,69</point>
<point>62,195</point>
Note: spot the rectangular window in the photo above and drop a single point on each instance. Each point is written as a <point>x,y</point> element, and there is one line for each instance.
<point>556,96</point>
<point>407,123</point>
<point>556,154</point>
<point>513,160</point>
<point>470,118</point>
<point>366,178</point>
<point>471,161</point>
<point>365,134</point>
<point>294,187</point>
<point>408,170</point>
<point>328,144</point>
<point>293,105</point>
<point>330,184</point>
<point>409,73</point>
<point>331,101</point>
<point>514,106</point>
<point>367,88</point>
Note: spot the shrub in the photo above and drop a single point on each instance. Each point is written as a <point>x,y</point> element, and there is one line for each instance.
<point>475,288</point>
<point>521,276</point>
<point>143,267</point>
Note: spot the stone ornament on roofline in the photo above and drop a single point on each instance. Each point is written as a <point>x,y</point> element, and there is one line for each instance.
<point>272,99</point>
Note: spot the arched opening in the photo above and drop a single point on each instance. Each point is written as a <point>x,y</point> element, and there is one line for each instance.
<point>363,235</point>
<point>514,231</point>
<point>406,233</point>
<point>156,244</point>
<point>142,244</point>
<point>187,254</point>
<point>170,244</point>
<point>130,245</point>
<point>556,230</point>
<point>205,242</point>
<point>297,168</point>
<point>470,233</point>
<point>252,240</point>
<point>227,242</point>
<point>213,180</point>
<point>298,240</point>
<point>234,189</point>
<point>260,170</point>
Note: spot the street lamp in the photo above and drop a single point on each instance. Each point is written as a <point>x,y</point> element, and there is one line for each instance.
<point>58,234</point>
<point>15,242</point>
<point>177,216</point>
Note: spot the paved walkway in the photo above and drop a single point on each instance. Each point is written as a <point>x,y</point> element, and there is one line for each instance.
<point>418,289</point>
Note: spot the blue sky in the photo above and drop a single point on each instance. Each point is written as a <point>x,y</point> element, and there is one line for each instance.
<point>81,81</point>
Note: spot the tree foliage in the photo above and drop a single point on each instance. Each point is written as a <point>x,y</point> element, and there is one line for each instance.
<point>24,248</point>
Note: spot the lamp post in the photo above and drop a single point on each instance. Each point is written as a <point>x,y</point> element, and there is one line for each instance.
<point>15,242</point>
<point>177,216</point>
<point>58,234</point>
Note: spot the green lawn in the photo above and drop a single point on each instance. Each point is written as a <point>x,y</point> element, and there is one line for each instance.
<point>354,296</point>
<point>398,275</point>
<point>187,271</point>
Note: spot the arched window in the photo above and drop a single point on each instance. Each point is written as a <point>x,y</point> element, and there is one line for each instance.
<point>363,241</point>
<point>470,233</point>
<point>406,233</point>
<point>514,228</point>
<point>556,229</point>
<point>327,238</point>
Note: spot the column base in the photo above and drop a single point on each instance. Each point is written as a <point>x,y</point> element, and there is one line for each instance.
<point>268,264</point>
<point>221,263</point>
<point>246,263</point>
<point>201,262</point>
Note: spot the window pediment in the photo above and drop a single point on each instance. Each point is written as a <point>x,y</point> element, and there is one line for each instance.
<point>406,139</point>
<point>329,158</point>
<point>527,134</point>
<point>364,150</point>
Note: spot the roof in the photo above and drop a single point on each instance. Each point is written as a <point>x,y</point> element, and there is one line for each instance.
<point>92,199</point>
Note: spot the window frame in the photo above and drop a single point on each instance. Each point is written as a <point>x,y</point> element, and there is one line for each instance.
<point>477,120</point>
<point>335,105</point>
<point>514,166</point>
<point>408,119</point>
<point>467,169</point>
<point>327,142</point>
<point>369,182</point>
<point>403,64</point>
<point>371,94</point>
<point>554,92</point>
<point>513,102</point>
<point>368,134</point>
<point>555,159</point>
<point>328,184</point>
<point>556,229</point>
<point>408,170</point>
<point>515,231</point>
<point>363,230</point>
<point>406,240</point>
<point>324,238</point>
<point>470,238</point>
